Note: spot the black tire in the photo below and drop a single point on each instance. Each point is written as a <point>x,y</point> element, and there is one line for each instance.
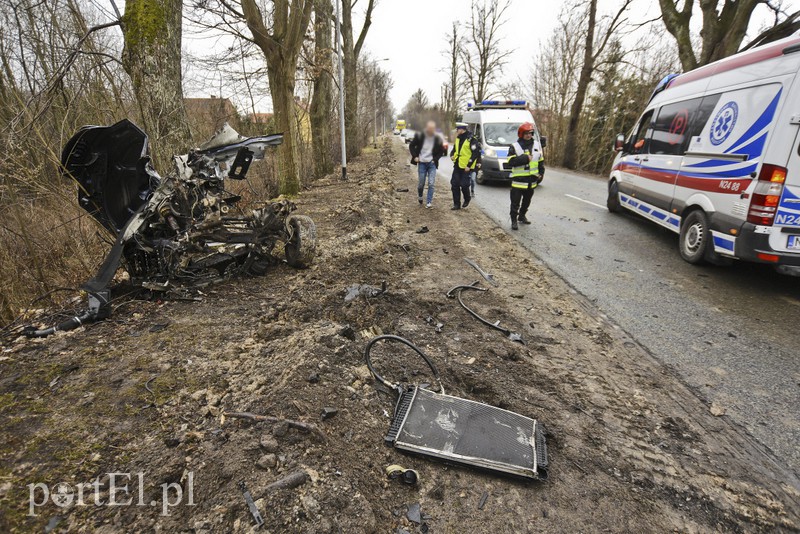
<point>302,246</point>
<point>695,242</point>
<point>613,203</point>
<point>480,178</point>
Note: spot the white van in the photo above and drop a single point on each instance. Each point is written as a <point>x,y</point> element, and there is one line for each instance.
<point>494,123</point>
<point>715,158</point>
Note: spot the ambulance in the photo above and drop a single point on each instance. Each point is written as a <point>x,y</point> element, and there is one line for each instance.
<point>715,158</point>
<point>495,123</point>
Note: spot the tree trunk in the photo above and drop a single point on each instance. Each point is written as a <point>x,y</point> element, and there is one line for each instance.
<point>322,96</point>
<point>350,62</point>
<point>281,75</point>
<point>570,146</point>
<point>722,31</point>
<point>281,47</point>
<point>152,59</point>
<point>351,51</point>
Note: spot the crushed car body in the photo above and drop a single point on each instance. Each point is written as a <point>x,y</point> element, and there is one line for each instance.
<point>181,230</point>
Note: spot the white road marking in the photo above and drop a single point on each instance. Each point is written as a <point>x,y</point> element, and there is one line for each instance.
<point>586,201</point>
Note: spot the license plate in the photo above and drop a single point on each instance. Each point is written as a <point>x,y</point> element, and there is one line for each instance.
<point>794,242</point>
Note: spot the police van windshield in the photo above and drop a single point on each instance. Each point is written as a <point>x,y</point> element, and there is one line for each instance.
<point>500,133</point>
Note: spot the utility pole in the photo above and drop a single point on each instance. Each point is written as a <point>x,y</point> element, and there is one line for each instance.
<point>341,88</point>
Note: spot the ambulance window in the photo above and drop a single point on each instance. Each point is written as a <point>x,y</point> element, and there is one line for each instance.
<point>639,139</point>
<point>703,113</point>
<point>671,128</point>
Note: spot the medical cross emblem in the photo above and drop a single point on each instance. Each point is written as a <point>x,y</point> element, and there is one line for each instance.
<point>723,123</point>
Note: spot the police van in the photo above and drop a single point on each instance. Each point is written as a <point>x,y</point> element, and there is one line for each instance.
<point>715,158</point>
<point>494,123</point>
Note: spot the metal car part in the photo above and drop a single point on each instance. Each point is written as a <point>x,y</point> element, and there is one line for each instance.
<point>456,293</point>
<point>184,229</point>
<point>456,430</point>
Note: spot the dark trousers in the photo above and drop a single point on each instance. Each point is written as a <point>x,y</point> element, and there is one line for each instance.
<point>520,202</point>
<point>459,184</point>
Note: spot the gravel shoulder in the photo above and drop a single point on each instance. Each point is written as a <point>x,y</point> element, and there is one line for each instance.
<point>632,448</point>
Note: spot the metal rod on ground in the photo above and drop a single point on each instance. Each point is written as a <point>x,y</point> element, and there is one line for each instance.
<point>341,89</point>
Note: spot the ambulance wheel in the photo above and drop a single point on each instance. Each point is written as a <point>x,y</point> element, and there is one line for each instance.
<point>695,238</point>
<point>612,203</point>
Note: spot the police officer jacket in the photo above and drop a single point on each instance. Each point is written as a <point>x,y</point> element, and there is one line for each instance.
<point>525,174</point>
<point>466,151</point>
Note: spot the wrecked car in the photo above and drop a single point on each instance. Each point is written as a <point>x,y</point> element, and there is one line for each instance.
<point>181,230</point>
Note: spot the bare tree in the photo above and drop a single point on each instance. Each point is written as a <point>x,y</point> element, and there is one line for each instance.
<point>724,27</point>
<point>452,90</point>
<point>152,58</point>
<point>482,56</point>
<point>322,96</point>
<point>591,52</point>
<point>351,49</point>
<point>281,46</point>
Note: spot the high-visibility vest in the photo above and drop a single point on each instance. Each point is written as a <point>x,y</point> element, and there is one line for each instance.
<point>521,176</point>
<point>463,153</point>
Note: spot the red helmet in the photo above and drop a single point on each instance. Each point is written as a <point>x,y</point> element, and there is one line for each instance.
<point>526,127</point>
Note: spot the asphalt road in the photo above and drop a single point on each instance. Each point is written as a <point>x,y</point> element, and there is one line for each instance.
<point>731,333</point>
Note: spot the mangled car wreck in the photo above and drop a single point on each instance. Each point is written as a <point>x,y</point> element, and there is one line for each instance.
<point>182,230</point>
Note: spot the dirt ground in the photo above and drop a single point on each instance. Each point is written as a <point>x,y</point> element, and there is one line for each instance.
<point>631,448</point>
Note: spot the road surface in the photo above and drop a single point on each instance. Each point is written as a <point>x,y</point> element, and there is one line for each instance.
<point>731,333</point>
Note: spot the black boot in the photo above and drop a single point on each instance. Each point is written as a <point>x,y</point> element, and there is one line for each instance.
<point>524,220</point>
<point>514,225</point>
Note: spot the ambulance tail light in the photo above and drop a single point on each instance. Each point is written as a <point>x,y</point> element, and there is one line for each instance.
<point>767,195</point>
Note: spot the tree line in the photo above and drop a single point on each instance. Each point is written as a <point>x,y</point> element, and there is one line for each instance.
<point>594,73</point>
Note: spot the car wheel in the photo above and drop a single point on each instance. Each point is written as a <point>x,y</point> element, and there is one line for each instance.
<point>695,237</point>
<point>613,203</point>
<point>480,178</point>
<point>302,246</point>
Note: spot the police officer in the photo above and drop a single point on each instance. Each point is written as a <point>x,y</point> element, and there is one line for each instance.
<point>465,154</point>
<point>527,171</point>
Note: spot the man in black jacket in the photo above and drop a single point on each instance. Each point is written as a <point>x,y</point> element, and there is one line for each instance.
<point>527,171</point>
<point>426,148</point>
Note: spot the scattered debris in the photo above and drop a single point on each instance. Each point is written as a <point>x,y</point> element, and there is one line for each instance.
<point>482,502</point>
<point>52,524</point>
<point>251,505</point>
<point>364,290</point>
<point>436,324</point>
<point>427,423</point>
<point>716,410</point>
<point>486,276</point>
<point>158,327</point>
<point>456,292</point>
<point>299,425</point>
<point>414,513</point>
<point>291,481</point>
<point>423,230</point>
<point>402,190</point>
<point>407,476</point>
<point>328,412</point>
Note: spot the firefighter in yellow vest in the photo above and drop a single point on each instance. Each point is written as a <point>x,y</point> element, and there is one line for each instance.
<point>527,170</point>
<point>466,156</point>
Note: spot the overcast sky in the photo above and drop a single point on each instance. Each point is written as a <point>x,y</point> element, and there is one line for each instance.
<point>412,34</point>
